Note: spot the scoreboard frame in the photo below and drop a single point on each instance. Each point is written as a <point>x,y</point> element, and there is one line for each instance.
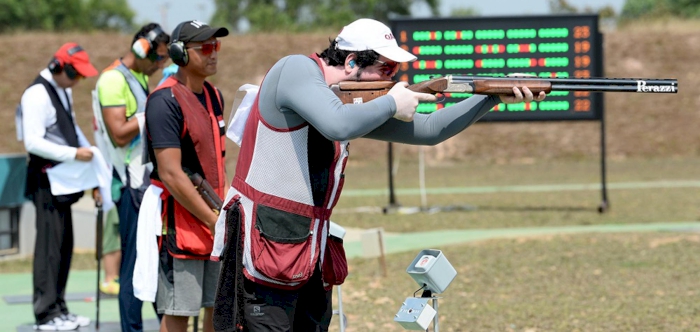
<point>581,28</point>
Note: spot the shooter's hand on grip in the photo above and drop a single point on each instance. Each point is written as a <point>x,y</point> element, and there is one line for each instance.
<point>407,101</point>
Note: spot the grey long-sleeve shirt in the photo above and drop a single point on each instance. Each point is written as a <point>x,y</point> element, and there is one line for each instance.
<point>294,91</point>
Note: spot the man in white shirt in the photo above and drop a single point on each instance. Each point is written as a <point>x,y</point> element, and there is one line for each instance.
<point>51,136</point>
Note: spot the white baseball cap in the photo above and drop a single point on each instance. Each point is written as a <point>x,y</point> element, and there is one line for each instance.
<point>367,34</point>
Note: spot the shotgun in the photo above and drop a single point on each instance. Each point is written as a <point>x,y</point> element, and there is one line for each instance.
<point>357,92</point>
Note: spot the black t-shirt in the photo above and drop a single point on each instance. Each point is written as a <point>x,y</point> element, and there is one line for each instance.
<point>164,123</point>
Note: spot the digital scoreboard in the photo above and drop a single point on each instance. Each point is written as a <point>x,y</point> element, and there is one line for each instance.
<point>545,46</point>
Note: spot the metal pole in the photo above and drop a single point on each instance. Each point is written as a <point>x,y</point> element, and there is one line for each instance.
<point>382,255</point>
<point>341,315</point>
<point>421,178</point>
<point>98,256</point>
<point>437,314</point>
<point>392,197</point>
<point>604,204</point>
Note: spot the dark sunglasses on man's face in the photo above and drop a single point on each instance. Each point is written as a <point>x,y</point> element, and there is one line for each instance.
<point>388,68</point>
<point>155,57</point>
<point>208,48</point>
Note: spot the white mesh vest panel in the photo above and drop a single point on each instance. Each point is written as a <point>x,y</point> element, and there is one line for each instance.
<point>280,164</point>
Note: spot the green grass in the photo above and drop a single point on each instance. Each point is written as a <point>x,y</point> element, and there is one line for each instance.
<point>587,282</point>
<point>602,282</point>
<point>501,210</point>
<point>525,209</point>
<point>80,261</point>
<point>474,173</point>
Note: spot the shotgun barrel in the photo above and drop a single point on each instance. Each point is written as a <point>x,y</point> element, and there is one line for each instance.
<point>361,92</point>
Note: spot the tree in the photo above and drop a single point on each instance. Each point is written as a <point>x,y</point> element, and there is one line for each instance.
<point>63,15</point>
<point>296,15</point>
<point>110,15</point>
<point>685,8</point>
<point>464,12</point>
<point>606,12</point>
<point>561,7</point>
<point>643,8</point>
<point>564,7</point>
<point>640,9</point>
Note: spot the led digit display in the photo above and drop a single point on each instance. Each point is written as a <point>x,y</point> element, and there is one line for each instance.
<point>545,46</point>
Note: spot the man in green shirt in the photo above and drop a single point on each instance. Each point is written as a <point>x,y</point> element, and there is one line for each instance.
<point>119,101</point>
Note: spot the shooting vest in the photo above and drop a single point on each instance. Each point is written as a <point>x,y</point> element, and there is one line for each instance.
<point>186,237</point>
<point>61,132</point>
<point>128,160</point>
<point>286,184</point>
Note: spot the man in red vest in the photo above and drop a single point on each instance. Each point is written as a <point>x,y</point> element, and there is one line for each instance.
<point>184,122</point>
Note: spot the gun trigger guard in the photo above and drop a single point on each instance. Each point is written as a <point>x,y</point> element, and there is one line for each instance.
<point>441,97</point>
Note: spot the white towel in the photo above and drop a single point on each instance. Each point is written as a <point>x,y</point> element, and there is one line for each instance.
<point>74,176</point>
<point>220,228</point>
<point>149,226</point>
<point>242,104</point>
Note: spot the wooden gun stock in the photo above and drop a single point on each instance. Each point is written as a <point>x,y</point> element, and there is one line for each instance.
<point>207,193</point>
<point>351,92</point>
<point>433,86</point>
<point>505,86</point>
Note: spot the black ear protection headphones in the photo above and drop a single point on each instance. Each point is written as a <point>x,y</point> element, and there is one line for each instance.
<point>56,67</point>
<point>145,47</point>
<point>176,48</point>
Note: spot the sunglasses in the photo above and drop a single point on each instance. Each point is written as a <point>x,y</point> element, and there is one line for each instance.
<point>208,48</point>
<point>154,57</point>
<point>388,68</point>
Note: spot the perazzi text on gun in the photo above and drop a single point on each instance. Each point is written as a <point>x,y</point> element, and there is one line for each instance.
<point>359,91</point>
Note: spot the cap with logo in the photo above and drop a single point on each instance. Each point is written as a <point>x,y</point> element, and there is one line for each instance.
<point>196,31</point>
<point>368,34</point>
<point>76,56</point>
<point>190,31</point>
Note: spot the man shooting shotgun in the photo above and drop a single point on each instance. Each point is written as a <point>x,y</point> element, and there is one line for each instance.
<point>358,92</point>
<point>290,174</point>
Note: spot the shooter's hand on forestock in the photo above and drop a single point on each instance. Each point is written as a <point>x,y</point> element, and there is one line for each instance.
<point>521,96</point>
<point>407,101</point>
